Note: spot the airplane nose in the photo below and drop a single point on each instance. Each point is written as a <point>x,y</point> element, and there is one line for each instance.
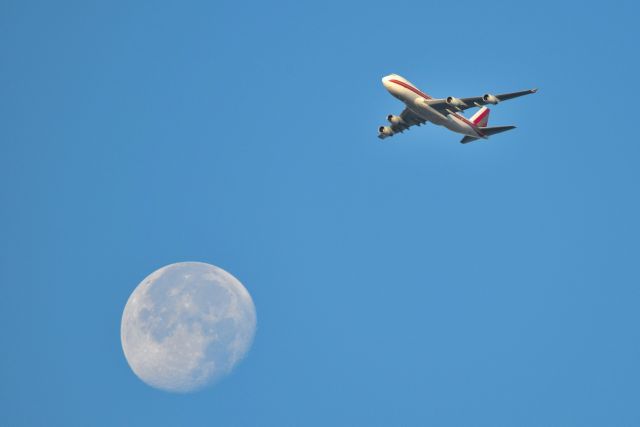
<point>385,81</point>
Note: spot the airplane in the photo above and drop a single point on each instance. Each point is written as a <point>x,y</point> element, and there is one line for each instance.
<point>422,108</point>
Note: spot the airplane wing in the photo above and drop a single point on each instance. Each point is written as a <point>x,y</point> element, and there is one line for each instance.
<point>400,123</point>
<point>478,101</point>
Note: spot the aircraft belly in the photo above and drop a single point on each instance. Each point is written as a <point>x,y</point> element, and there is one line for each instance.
<point>424,111</point>
<point>459,128</point>
<point>457,125</point>
<point>427,113</point>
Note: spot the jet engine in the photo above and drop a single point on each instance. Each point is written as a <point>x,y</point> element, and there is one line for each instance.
<point>385,131</point>
<point>490,99</point>
<point>395,120</point>
<point>455,102</point>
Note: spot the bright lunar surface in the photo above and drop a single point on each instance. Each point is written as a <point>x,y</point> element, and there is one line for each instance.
<point>187,325</point>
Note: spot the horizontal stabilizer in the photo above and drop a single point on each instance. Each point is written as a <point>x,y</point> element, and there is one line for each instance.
<point>468,139</point>
<point>496,129</point>
<point>488,131</point>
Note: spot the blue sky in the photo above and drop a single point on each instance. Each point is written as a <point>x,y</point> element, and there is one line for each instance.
<point>414,281</point>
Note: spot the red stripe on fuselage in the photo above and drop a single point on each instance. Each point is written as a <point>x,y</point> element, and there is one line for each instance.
<point>411,88</point>
<point>425,96</point>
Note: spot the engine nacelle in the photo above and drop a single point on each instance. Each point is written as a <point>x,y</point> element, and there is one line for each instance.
<point>455,102</point>
<point>395,120</point>
<point>490,99</point>
<point>385,131</point>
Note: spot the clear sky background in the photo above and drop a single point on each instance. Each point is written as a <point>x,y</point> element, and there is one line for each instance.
<point>414,281</point>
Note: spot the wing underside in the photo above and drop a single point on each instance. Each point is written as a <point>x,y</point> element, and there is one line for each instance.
<point>477,101</point>
<point>399,124</point>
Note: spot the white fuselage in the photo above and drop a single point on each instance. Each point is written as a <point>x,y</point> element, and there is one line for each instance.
<point>417,101</point>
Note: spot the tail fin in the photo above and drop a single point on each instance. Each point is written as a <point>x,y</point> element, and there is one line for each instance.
<point>481,118</point>
<point>487,131</point>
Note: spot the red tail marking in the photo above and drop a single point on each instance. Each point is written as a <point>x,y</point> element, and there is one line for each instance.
<point>481,116</point>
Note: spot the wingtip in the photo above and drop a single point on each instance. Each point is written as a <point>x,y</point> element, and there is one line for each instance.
<point>534,90</point>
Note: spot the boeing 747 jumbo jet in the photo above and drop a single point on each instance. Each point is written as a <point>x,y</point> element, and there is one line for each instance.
<point>421,108</point>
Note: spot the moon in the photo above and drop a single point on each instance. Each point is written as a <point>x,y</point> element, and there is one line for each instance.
<point>187,325</point>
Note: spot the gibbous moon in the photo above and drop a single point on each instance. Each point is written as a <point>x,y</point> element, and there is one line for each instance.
<point>187,325</point>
